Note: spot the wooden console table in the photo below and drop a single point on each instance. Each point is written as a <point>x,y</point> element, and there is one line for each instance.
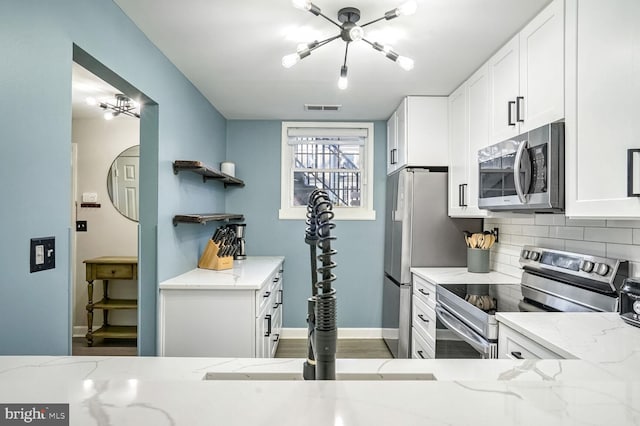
<point>106,268</point>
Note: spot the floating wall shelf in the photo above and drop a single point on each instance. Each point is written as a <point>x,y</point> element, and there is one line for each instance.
<point>206,172</point>
<point>205,217</point>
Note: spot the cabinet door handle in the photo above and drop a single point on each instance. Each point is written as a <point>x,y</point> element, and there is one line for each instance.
<point>267,294</point>
<point>462,202</point>
<point>276,279</point>
<point>420,354</point>
<point>517,355</point>
<point>426,293</point>
<point>509,108</point>
<point>393,156</point>
<point>519,99</point>
<point>268,332</point>
<point>277,337</point>
<point>630,171</point>
<point>422,318</point>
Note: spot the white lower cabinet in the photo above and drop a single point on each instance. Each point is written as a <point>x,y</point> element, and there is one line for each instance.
<point>514,345</point>
<point>242,321</point>
<point>423,324</point>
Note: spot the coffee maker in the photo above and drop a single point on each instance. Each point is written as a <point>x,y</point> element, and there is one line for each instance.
<point>630,301</point>
<point>239,229</point>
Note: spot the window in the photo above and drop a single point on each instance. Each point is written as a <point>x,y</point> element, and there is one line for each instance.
<point>336,157</point>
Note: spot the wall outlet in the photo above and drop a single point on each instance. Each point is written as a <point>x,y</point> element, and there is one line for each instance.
<point>81,226</point>
<point>89,197</point>
<point>42,254</point>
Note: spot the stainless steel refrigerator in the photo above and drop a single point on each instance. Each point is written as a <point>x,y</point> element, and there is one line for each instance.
<point>418,232</point>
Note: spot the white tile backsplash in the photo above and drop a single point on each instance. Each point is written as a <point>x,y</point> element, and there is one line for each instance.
<point>609,238</point>
<point>609,235</point>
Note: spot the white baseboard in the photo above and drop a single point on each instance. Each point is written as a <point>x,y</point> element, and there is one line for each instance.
<point>79,330</point>
<point>343,333</point>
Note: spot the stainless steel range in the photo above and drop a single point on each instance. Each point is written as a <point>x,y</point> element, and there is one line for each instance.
<point>552,281</point>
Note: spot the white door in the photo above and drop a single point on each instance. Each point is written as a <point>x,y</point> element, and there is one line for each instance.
<point>124,172</point>
<point>458,151</point>
<point>504,82</point>
<point>542,68</point>
<point>478,112</point>
<point>603,112</point>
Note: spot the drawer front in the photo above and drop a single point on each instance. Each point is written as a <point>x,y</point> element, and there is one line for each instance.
<point>420,349</point>
<point>513,345</point>
<point>265,294</point>
<point>425,291</point>
<point>105,272</point>
<point>424,318</point>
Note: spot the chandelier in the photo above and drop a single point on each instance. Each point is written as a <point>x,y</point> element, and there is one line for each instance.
<point>350,32</point>
<point>123,105</point>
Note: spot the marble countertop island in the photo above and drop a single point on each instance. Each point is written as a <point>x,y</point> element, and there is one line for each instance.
<point>173,391</point>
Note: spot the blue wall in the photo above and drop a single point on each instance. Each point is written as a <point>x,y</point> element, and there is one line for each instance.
<point>255,148</point>
<point>36,44</point>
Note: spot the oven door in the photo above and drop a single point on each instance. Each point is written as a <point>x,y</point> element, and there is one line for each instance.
<point>465,333</point>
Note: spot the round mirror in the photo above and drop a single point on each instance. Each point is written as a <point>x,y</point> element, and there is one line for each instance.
<point>122,182</point>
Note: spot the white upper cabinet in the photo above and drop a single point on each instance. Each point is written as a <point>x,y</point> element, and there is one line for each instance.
<point>468,132</point>
<point>392,143</point>
<point>458,150</point>
<point>527,76</point>
<point>418,136</point>
<point>603,112</point>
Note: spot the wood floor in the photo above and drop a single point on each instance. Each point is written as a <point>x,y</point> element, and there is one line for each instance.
<point>287,348</point>
<point>104,347</point>
<point>347,348</point>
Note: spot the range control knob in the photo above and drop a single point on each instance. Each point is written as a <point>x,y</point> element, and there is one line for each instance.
<point>525,254</point>
<point>601,269</point>
<point>586,266</point>
<point>534,255</point>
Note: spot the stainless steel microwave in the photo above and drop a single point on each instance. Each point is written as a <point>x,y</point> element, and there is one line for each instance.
<point>525,173</point>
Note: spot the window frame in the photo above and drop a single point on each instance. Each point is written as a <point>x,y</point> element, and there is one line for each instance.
<point>289,212</point>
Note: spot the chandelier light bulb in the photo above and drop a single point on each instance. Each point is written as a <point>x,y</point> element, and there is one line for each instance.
<point>405,63</point>
<point>290,60</point>
<point>343,83</point>
<point>408,8</point>
<point>356,33</point>
<point>302,4</point>
<point>108,115</point>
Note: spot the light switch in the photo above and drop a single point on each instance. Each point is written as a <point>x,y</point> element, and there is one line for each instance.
<point>42,254</point>
<point>39,254</point>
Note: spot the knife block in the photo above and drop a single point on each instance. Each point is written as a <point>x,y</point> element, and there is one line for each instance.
<point>210,259</point>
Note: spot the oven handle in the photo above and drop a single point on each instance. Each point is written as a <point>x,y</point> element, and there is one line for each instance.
<point>522,152</point>
<point>462,331</point>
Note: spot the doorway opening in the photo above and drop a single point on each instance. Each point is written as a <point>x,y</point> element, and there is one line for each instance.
<point>109,213</point>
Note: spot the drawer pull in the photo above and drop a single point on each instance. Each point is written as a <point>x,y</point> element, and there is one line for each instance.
<point>517,355</point>
<point>426,293</point>
<point>267,294</point>
<point>277,337</point>
<point>420,354</point>
<point>422,318</point>
<point>276,279</point>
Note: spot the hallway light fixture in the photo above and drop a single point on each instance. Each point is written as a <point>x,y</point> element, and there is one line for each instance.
<point>123,105</point>
<point>350,32</point>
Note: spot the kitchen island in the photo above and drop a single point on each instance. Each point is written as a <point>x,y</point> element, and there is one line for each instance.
<point>172,391</point>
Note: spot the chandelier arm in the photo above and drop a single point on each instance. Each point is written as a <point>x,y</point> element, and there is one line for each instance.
<point>330,20</point>
<point>373,22</point>
<point>323,42</point>
<point>346,51</point>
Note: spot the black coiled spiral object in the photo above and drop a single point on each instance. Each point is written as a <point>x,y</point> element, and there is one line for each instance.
<point>323,332</point>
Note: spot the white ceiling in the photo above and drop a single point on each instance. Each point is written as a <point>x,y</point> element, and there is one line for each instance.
<point>232,49</point>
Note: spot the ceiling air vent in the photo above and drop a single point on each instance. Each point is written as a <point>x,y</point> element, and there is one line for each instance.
<point>313,107</point>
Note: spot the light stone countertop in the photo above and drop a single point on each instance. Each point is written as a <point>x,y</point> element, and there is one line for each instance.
<point>170,391</point>
<point>247,274</point>
<point>462,276</point>
<point>599,338</point>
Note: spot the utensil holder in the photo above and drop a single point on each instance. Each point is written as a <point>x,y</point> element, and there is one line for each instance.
<point>210,259</point>
<point>477,260</point>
